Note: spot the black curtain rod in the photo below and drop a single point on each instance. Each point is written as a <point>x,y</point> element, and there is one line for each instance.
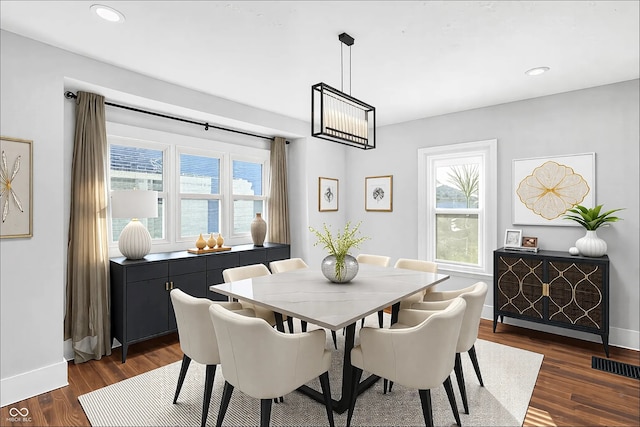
<point>71,95</point>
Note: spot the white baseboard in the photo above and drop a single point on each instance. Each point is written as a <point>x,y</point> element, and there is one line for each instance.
<point>32,383</point>
<point>618,337</point>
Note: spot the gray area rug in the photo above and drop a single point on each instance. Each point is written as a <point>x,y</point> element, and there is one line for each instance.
<point>509,376</point>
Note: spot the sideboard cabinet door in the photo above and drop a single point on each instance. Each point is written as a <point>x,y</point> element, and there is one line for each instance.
<point>553,288</point>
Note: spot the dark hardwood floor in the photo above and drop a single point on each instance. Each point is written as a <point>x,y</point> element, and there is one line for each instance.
<point>568,391</point>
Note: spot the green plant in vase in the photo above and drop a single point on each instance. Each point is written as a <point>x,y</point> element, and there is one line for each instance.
<point>591,219</point>
<point>339,245</point>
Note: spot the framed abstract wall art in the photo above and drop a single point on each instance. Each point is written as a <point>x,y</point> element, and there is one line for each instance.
<point>378,192</point>
<point>327,194</point>
<point>16,200</point>
<point>545,187</point>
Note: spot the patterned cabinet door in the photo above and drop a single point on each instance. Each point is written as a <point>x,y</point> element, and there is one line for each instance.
<point>519,286</point>
<point>577,294</point>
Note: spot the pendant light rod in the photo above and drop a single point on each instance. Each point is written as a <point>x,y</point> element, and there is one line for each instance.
<point>347,40</point>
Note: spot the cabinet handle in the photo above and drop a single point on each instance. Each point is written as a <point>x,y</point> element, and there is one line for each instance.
<point>545,289</point>
<point>171,285</point>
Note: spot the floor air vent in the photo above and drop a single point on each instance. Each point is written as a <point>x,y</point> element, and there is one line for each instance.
<point>624,369</point>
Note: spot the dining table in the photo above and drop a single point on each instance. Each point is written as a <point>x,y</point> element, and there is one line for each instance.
<point>305,294</point>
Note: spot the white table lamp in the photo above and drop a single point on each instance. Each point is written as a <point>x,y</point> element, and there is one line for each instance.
<point>135,240</point>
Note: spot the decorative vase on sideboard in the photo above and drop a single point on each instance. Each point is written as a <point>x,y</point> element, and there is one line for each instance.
<point>201,243</point>
<point>591,245</point>
<point>258,230</point>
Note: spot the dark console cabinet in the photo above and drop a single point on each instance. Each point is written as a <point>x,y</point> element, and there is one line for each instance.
<point>140,303</point>
<point>553,288</point>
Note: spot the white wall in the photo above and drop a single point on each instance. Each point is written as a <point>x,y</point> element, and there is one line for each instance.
<point>604,120</point>
<point>33,77</point>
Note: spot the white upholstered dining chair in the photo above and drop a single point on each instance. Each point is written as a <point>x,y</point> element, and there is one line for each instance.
<point>198,339</point>
<point>295,264</point>
<point>264,363</point>
<point>247,272</point>
<point>380,260</point>
<point>474,296</point>
<point>417,352</point>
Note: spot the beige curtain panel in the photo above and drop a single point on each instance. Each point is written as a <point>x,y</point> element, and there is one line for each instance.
<point>278,227</point>
<point>87,319</point>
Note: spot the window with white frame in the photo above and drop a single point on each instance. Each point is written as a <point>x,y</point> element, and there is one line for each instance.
<point>457,217</point>
<point>138,166</point>
<point>215,187</point>
<point>248,193</point>
<point>199,193</point>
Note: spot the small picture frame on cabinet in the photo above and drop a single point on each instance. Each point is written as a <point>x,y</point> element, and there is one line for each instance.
<point>529,242</point>
<point>512,238</point>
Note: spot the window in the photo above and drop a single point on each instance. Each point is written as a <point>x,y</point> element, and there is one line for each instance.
<point>199,193</point>
<point>248,195</point>
<point>137,167</point>
<point>457,218</point>
<point>203,186</point>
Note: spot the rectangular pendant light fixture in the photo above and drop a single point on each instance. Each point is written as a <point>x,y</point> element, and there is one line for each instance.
<point>341,118</point>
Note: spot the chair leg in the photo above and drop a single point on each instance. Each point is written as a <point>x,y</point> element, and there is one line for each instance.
<point>303,326</point>
<point>356,375</point>
<point>210,375</point>
<point>326,392</point>
<point>265,412</point>
<point>390,386</point>
<point>335,340</point>
<point>186,360</point>
<point>476,367</point>
<point>452,399</point>
<point>427,411</point>
<point>380,317</point>
<point>384,385</point>
<point>224,402</point>
<point>460,378</point>
<point>290,324</point>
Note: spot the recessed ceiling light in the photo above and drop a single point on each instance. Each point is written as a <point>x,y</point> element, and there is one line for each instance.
<point>107,13</point>
<point>536,71</point>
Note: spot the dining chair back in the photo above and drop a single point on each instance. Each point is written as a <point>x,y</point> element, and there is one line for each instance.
<point>474,296</point>
<point>198,339</point>
<point>248,272</point>
<point>417,265</point>
<point>265,364</point>
<point>417,352</point>
<point>381,260</point>
<point>283,265</point>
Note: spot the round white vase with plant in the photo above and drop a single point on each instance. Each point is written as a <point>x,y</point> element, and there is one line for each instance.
<point>339,266</point>
<point>591,219</point>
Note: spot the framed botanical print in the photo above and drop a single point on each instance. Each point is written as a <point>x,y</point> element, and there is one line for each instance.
<point>327,194</point>
<point>16,188</point>
<point>545,187</point>
<point>378,192</point>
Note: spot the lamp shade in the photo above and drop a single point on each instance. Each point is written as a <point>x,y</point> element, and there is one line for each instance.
<point>135,240</point>
<point>134,204</point>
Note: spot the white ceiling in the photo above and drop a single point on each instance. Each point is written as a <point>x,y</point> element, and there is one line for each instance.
<point>410,59</point>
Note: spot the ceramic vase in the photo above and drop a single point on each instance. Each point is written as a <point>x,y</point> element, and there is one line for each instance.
<point>220,240</point>
<point>211,241</point>
<point>591,245</point>
<point>201,243</point>
<point>343,274</point>
<point>258,230</point>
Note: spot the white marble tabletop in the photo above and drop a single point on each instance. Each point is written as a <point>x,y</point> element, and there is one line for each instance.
<point>307,295</point>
